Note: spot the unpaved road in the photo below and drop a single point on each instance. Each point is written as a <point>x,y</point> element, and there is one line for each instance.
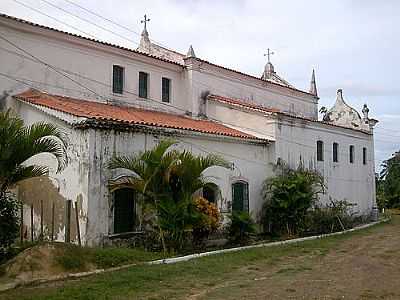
<point>361,265</point>
<point>365,266</point>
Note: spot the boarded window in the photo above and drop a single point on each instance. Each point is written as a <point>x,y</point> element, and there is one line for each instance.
<point>335,152</point>
<point>118,79</point>
<point>124,210</point>
<point>320,150</point>
<point>166,85</point>
<point>143,85</point>
<point>240,196</point>
<point>364,156</point>
<point>351,154</point>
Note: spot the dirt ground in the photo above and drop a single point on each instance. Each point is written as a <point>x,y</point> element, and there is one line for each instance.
<point>363,267</point>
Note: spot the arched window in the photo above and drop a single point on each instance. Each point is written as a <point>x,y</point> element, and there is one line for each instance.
<point>320,151</point>
<point>240,196</point>
<point>210,192</point>
<point>351,154</point>
<point>335,151</point>
<point>124,210</point>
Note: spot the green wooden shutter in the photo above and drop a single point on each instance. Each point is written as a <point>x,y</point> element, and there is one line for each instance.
<point>246,197</point>
<point>165,89</point>
<point>143,84</point>
<point>118,79</point>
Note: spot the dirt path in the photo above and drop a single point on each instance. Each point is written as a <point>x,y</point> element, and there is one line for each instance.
<point>363,267</point>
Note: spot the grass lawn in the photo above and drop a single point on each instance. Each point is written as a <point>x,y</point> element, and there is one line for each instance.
<point>251,274</point>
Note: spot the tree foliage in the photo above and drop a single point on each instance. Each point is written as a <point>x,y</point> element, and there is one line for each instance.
<point>241,227</point>
<point>167,179</point>
<point>288,196</point>
<point>20,142</point>
<point>389,181</point>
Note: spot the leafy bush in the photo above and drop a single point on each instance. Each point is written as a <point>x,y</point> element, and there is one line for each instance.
<point>209,221</point>
<point>332,217</point>
<point>241,227</point>
<point>9,223</point>
<point>288,197</point>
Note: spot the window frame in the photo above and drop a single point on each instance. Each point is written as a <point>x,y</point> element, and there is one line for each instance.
<point>165,100</point>
<point>114,87</point>
<point>364,155</point>
<point>320,150</point>
<point>335,152</point>
<point>146,96</point>
<point>351,154</point>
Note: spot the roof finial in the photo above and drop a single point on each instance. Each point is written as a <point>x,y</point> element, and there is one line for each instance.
<point>190,52</point>
<point>145,20</point>
<point>313,85</point>
<point>268,54</point>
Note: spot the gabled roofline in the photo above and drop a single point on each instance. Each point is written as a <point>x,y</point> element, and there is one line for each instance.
<point>237,103</point>
<point>22,21</point>
<point>265,82</point>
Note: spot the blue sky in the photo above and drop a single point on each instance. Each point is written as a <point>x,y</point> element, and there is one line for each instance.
<point>352,45</point>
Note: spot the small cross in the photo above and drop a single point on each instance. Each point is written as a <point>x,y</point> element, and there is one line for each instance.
<point>268,54</point>
<point>145,21</point>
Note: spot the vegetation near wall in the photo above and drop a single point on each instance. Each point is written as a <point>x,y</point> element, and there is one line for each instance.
<point>18,144</point>
<point>388,183</point>
<point>288,197</point>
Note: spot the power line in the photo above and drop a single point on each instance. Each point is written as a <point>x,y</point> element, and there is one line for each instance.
<point>90,22</point>
<point>113,22</point>
<point>158,102</point>
<point>55,19</point>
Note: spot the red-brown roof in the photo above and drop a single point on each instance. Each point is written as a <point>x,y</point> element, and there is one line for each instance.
<point>255,107</point>
<point>128,115</point>
<point>242,103</point>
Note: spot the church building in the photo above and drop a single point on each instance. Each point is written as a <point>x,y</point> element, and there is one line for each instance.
<point>109,100</point>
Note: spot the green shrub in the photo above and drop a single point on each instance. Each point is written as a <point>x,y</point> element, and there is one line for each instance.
<point>333,217</point>
<point>241,228</point>
<point>288,197</point>
<point>9,223</point>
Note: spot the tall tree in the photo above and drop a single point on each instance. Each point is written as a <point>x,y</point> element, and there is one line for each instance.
<point>390,180</point>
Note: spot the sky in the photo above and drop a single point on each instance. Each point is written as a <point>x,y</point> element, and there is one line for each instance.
<point>352,45</point>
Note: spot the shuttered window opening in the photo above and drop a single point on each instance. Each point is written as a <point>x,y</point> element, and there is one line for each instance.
<point>143,84</point>
<point>320,150</point>
<point>124,210</point>
<point>240,196</point>
<point>335,152</point>
<point>166,86</point>
<point>118,79</point>
<point>364,156</point>
<point>351,154</point>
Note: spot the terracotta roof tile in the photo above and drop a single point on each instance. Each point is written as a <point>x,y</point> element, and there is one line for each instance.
<point>242,103</point>
<point>128,115</point>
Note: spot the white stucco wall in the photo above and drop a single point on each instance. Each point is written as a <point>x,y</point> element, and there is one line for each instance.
<point>354,182</point>
<point>88,63</point>
<point>70,184</point>
<point>250,161</point>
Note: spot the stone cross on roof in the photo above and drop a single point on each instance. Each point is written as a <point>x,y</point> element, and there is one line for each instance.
<point>145,21</point>
<point>268,54</point>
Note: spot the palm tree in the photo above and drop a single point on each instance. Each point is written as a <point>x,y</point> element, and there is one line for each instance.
<point>20,142</point>
<point>167,179</point>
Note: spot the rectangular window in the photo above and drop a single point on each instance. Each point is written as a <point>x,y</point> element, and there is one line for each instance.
<point>166,85</point>
<point>118,79</point>
<point>364,156</point>
<point>351,152</point>
<point>320,151</point>
<point>143,84</point>
<point>335,152</point>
